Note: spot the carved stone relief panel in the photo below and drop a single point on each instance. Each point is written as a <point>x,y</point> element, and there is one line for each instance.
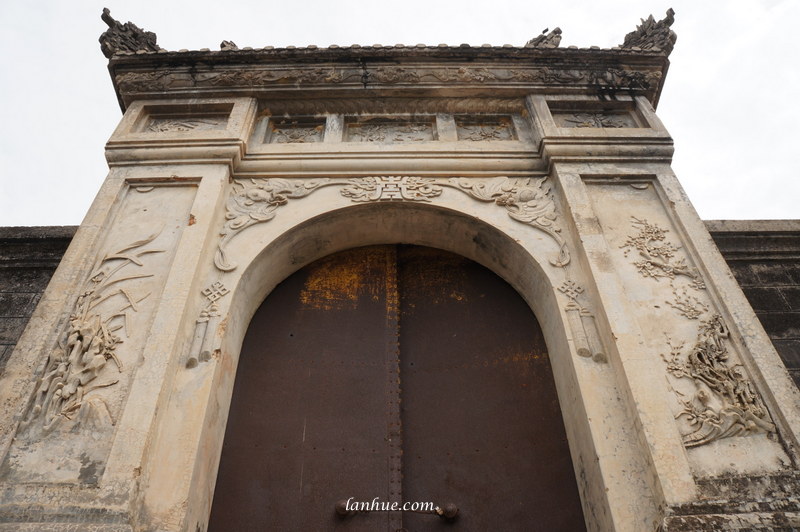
<point>85,374</point>
<point>599,119</point>
<point>482,128</point>
<point>182,118</point>
<point>723,421</point>
<point>295,130</point>
<point>390,130</point>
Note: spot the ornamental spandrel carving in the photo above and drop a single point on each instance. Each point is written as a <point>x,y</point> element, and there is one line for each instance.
<point>255,202</point>
<point>85,359</point>
<point>126,37</point>
<point>526,200</point>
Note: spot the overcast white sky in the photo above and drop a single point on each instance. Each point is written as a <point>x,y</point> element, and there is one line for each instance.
<point>730,100</point>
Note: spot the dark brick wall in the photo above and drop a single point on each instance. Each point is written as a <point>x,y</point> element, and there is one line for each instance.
<point>765,258</point>
<point>28,258</point>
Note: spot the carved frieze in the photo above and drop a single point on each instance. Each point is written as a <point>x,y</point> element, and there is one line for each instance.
<point>391,188</point>
<point>526,200</point>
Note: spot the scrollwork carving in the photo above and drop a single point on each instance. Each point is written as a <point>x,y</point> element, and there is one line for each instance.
<point>256,202</point>
<point>206,324</point>
<point>725,403</point>
<point>526,200</point>
<point>99,320</point>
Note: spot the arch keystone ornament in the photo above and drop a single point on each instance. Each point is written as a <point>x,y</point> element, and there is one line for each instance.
<point>678,413</point>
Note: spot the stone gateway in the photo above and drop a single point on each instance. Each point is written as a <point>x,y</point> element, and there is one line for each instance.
<point>573,351</point>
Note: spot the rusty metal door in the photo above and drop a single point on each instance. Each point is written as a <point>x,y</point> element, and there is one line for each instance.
<point>399,373</point>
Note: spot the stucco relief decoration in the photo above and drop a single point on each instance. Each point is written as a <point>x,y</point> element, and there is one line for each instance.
<point>718,400</point>
<point>163,125</point>
<point>390,188</point>
<point>390,132</point>
<point>255,202</point>
<point>657,255</point>
<point>482,132</point>
<point>652,35</point>
<point>725,403</point>
<point>601,120</point>
<point>85,358</point>
<point>126,37</point>
<point>526,200</point>
<point>546,40</point>
<point>582,324</point>
<point>206,325</point>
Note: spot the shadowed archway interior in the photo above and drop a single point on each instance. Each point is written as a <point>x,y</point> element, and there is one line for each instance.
<point>400,373</point>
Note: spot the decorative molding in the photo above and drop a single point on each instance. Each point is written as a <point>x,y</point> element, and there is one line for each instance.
<point>582,324</point>
<point>79,364</point>
<point>658,255</point>
<point>652,35</point>
<point>256,202</point>
<point>725,402</point>
<point>526,200</point>
<point>206,325</point>
<point>391,188</point>
<point>605,79</point>
<point>395,106</point>
<point>126,37</point>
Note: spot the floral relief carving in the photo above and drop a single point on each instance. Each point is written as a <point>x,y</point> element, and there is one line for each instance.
<point>658,256</point>
<point>526,200</point>
<point>391,188</point>
<point>725,402</point>
<point>85,358</point>
<point>255,202</point>
<point>686,304</point>
<point>480,132</point>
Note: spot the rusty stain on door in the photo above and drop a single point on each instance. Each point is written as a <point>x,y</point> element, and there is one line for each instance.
<point>402,373</point>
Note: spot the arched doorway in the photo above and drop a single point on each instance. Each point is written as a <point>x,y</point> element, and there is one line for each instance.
<point>399,373</point>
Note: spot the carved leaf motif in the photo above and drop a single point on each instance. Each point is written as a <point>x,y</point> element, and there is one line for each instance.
<point>725,403</point>
<point>256,202</point>
<point>391,188</point>
<point>79,364</point>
